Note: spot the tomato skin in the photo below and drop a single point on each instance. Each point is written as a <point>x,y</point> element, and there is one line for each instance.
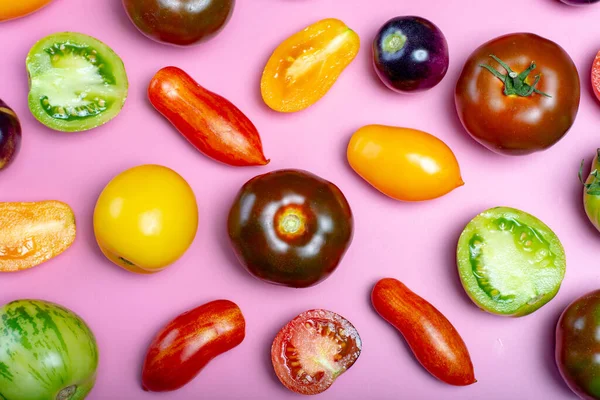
<point>299,341</point>
<point>189,342</point>
<point>307,64</point>
<point>515,125</point>
<point>432,338</point>
<point>577,345</point>
<point>146,218</point>
<point>591,201</point>
<point>404,164</point>
<point>33,233</point>
<point>17,9</point>
<point>179,22</point>
<point>47,352</point>
<point>10,135</point>
<point>211,123</point>
<point>316,215</point>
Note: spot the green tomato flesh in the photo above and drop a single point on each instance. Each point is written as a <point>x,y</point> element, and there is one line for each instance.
<point>46,353</point>
<point>509,262</point>
<point>76,82</point>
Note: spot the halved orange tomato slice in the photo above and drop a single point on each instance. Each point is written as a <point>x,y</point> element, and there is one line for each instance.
<point>304,67</point>
<point>32,233</point>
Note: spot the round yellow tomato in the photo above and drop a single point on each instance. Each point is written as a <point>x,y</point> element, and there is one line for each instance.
<point>20,8</point>
<point>146,218</point>
<point>405,164</point>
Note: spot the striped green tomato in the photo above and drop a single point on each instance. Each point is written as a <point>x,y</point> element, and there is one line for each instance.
<point>46,352</point>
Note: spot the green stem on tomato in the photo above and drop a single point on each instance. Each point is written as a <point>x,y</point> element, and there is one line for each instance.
<point>514,84</point>
<point>592,188</point>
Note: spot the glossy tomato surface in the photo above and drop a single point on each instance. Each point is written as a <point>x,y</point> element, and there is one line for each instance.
<point>47,352</point>
<point>434,341</point>
<point>402,163</point>
<point>189,342</point>
<point>577,346</point>
<point>10,135</point>
<point>179,22</point>
<point>146,218</point>
<point>290,227</point>
<point>410,54</point>
<point>522,110</point>
<point>591,191</point>
<point>313,350</point>
<point>211,123</point>
<point>20,8</point>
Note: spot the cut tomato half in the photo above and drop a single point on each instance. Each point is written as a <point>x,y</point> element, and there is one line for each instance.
<point>314,349</point>
<point>596,76</point>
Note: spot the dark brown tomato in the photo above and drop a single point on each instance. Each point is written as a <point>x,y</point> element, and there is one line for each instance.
<point>313,350</point>
<point>290,227</point>
<point>526,108</point>
<point>578,346</point>
<point>179,22</point>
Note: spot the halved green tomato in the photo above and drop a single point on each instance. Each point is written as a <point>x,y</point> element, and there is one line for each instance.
<point>510,263</point>
<point>76,82</point>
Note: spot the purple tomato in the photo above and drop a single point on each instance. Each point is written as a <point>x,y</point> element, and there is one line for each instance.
<point>410,54</point>
<point>579,2</point>
<point>10,135</point>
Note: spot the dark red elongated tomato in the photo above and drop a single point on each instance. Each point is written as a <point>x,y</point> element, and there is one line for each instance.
<point>211,123</point>
<point>189,342</point>
<point>432,338</point>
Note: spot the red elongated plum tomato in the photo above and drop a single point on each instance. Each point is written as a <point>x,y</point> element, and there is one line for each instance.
<point>290,227</point>
<point>210,122</point>
<point>189,342</point>
<point>10,135</point>
<point>433,340</point>
<point>577,349</point>
<point>313,350</point>
<point>410,54</point>
<point>179,22</point>
<point>518,94</point>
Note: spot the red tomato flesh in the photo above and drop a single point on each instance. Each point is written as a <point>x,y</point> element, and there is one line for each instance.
<point>313,349</point>
<point>596,76</point>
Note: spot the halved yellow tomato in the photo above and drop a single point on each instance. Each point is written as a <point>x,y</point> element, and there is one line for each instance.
<point>20,8</point>
<point>306,65</point>
<point>405,164</point>
<point>33,233</point>
<point>146,218</point>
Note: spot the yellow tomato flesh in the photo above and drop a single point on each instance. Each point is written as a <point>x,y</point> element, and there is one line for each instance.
<point>146,218</point>
<point>19,8</point>
<point>405,164</point>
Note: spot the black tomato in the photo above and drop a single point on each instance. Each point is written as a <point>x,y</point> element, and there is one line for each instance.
<point>290,227</point>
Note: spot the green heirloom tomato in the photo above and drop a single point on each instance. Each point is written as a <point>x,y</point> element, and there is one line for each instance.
<point>591,192</point>
<point>577,351</point>
<point>76,82</point>
<point>510,263</point>
<point>46,353</point>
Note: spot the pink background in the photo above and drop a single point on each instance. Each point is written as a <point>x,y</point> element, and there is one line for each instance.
<point>415,243</point>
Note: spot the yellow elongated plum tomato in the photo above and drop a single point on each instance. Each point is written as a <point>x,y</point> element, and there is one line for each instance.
<point>405,164</point>
<point>20,8</point>
<point>146,218</point>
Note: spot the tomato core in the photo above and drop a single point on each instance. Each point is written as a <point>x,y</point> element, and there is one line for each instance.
<point>291,222</point>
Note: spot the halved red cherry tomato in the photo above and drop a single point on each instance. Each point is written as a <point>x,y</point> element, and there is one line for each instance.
<point>313,350</point>
<point>596,76</point>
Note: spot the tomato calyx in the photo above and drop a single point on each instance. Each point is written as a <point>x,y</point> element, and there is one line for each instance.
<point>66,393</point>
<point>514,83</point>
<point>592,188</point>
